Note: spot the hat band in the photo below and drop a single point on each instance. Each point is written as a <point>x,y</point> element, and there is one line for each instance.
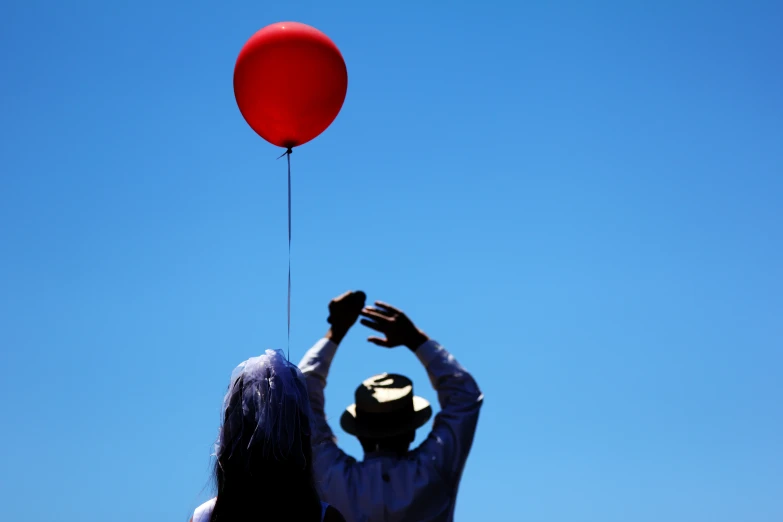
<point>386,421</point>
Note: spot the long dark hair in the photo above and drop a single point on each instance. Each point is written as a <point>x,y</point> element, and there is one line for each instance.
<point>255,485</point>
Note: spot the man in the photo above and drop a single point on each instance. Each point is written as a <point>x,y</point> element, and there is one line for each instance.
<point>392,483</point>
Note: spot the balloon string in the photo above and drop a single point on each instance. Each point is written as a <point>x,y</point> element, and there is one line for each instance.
<point>287,154</point>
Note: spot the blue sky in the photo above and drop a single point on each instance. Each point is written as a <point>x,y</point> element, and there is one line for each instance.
<point>582,202</point>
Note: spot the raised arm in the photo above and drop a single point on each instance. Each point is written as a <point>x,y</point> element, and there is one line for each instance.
<point>451,438</point>
<point>343,313</point>
<point>448,444</point>
<point>315,367</point>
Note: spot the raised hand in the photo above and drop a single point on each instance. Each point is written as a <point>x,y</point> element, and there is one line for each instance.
<point>344,310</point>
<point>394,324</point>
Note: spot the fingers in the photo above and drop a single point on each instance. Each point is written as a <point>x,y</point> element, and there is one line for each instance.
<point>379,342</point>
<point>376,315</point>
<point>388,307</point>
<point>345,308</point>
<point>358,295</point>
<point>342,296</point>
<point>372,324</point>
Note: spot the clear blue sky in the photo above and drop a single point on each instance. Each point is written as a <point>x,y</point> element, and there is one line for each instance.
<point>583,203</point>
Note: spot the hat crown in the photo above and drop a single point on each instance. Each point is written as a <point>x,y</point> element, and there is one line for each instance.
<point>384,393</point>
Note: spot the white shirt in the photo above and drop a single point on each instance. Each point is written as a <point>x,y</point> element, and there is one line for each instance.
<point>421,486</point>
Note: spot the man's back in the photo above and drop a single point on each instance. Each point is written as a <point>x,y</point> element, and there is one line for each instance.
<point>387,488</point>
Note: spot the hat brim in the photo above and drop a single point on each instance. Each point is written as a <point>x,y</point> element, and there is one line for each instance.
<point>422,411</point>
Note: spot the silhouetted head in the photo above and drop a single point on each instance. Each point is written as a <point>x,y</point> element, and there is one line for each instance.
<point>386,414</point>
<point>264,459</point>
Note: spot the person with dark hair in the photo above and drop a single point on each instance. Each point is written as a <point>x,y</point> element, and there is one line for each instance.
<point>264,465</point>
<point>393,483</point>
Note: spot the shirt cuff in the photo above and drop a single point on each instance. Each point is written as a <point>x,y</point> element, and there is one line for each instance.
<point>428,351</point>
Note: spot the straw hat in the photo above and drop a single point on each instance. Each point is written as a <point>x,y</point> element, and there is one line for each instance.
<point>385,406</point>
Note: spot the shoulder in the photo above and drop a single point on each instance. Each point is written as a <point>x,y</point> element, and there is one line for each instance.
<point>332,515</point>
<point>328,457</point>
<point>204,511</point>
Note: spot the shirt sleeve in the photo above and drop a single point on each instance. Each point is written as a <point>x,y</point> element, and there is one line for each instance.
<point>315,366</point>
<point>448,444</point>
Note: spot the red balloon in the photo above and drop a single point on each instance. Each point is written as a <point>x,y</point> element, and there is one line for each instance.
<point>290,82</point>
